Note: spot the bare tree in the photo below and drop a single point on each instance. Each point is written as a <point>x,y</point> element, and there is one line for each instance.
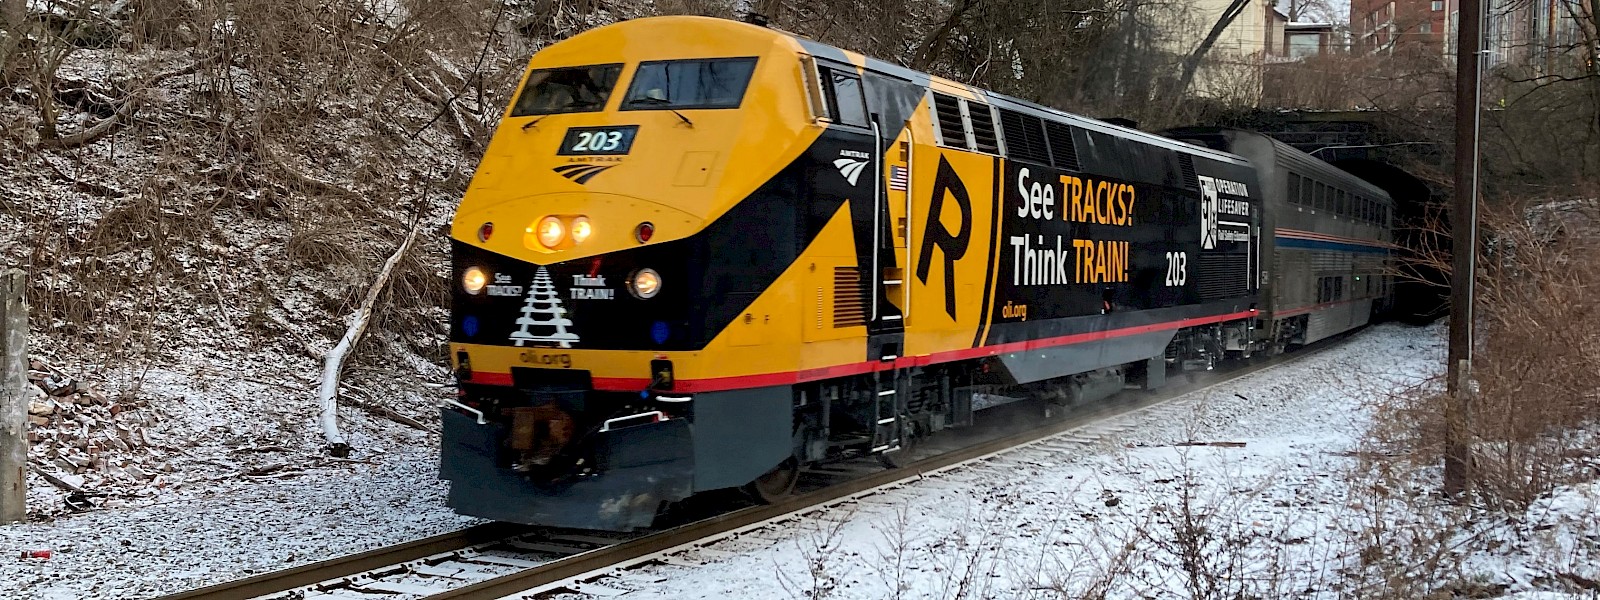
<point>1191,63</point>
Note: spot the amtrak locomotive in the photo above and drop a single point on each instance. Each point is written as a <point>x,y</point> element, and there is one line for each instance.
<point>701,254</point>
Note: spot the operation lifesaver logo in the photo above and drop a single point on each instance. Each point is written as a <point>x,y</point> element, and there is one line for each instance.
<point>1215,202</point>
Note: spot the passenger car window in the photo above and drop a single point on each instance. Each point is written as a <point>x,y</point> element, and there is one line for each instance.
<point>685,84</point>
<point>566,90</point>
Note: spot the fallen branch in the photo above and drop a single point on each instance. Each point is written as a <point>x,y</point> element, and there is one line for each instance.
<point>1215,444</point>
<point>305,180</point>
<point>329,391</point>
<point>380,410</point>
<point>99,130</point>
<point>387,413</point>
<point>130,103</point>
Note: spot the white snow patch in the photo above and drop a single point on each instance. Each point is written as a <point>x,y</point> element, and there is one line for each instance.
<point>1138,516</point>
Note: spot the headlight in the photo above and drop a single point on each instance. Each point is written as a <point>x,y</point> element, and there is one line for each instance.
<point>581,229</point>
<point>551,231</point>
<point>645,283</point>
<point>474,280</point>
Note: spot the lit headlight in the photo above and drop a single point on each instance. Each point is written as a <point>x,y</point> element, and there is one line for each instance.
<point>645,283</point>
<point>581,229</point>
<point>551,231</point>
<point>474,280</point>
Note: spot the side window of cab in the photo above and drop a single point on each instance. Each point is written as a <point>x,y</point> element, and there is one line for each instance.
<point>844,101</point>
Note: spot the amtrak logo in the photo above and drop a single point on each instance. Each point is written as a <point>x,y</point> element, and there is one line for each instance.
<point>850,169</point>
<point>1208,212</point>
<point>851,165</point>
<point>581,172</point>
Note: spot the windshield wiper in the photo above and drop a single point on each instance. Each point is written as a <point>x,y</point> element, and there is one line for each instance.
<point>648,101</point>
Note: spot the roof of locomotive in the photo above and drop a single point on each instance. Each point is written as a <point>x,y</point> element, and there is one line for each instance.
<point>816,48</point>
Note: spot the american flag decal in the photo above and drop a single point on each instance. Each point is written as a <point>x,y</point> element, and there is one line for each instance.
<point>897,178</point>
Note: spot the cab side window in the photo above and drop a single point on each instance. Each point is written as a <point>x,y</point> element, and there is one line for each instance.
<point>847,104</point>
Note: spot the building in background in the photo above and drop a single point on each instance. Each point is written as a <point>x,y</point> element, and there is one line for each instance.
<point>1389,25</point>
<point>1305,40</point>
<point>1549,37</point>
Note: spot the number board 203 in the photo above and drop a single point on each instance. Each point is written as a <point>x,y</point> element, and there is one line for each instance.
<point>614,139</point>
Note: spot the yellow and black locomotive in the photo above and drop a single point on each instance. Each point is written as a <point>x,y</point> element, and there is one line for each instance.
<point>700,254</point>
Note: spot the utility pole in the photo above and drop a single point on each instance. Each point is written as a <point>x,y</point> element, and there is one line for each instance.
<point>13,402</point>
<point>1463,247</point>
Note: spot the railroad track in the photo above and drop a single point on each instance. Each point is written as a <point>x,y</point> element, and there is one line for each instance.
<point>496,561</point>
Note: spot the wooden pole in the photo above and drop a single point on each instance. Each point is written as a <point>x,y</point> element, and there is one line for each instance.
<point>13,400</point>
<point>1463,248</point>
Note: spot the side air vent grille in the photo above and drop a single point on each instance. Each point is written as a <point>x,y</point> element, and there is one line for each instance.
<point>1024,137</point>
<point>1186,162</point>
<point>1062,148</point>
<point>849,300</point>
<point>983,128</point>
<point>951,132</point>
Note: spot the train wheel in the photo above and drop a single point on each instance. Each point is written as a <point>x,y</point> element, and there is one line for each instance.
<point>777,484</point>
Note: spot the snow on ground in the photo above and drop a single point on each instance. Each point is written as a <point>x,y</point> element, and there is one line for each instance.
<point>1274,517</point>
<point>231,534</point>
<point>1274,507</point>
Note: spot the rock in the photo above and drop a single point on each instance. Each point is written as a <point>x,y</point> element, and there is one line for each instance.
<point>136,473</point>
<point>58,386</point>
<point>38,421</point>
<point>71,479</point>
<point>40,409</point>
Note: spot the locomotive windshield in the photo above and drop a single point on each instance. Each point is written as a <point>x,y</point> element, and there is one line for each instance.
<point>715,83</point>
<point>567,90</point>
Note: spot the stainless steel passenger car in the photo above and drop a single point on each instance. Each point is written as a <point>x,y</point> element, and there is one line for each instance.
<point>1329,252</point>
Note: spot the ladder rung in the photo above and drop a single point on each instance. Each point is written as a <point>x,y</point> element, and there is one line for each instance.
<point>886,421</point>
<point>886,393</point>
<point>889,318</point>
<point>889,357</point>
<point>892,282</point>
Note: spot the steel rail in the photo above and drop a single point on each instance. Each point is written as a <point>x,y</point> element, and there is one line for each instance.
<point>353,564</point>
<point>596,562</point>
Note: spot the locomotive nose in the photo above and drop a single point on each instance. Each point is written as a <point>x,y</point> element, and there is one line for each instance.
<point>545,228</point>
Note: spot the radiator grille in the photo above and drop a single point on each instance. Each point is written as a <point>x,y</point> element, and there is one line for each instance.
<point>849,300</point>
<point>1186,164</point>
<point>1223,276</point>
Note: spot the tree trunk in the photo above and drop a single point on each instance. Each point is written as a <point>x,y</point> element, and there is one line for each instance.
<point>13,399</point>
<point>1192,62</point>
<point>327,395</point>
